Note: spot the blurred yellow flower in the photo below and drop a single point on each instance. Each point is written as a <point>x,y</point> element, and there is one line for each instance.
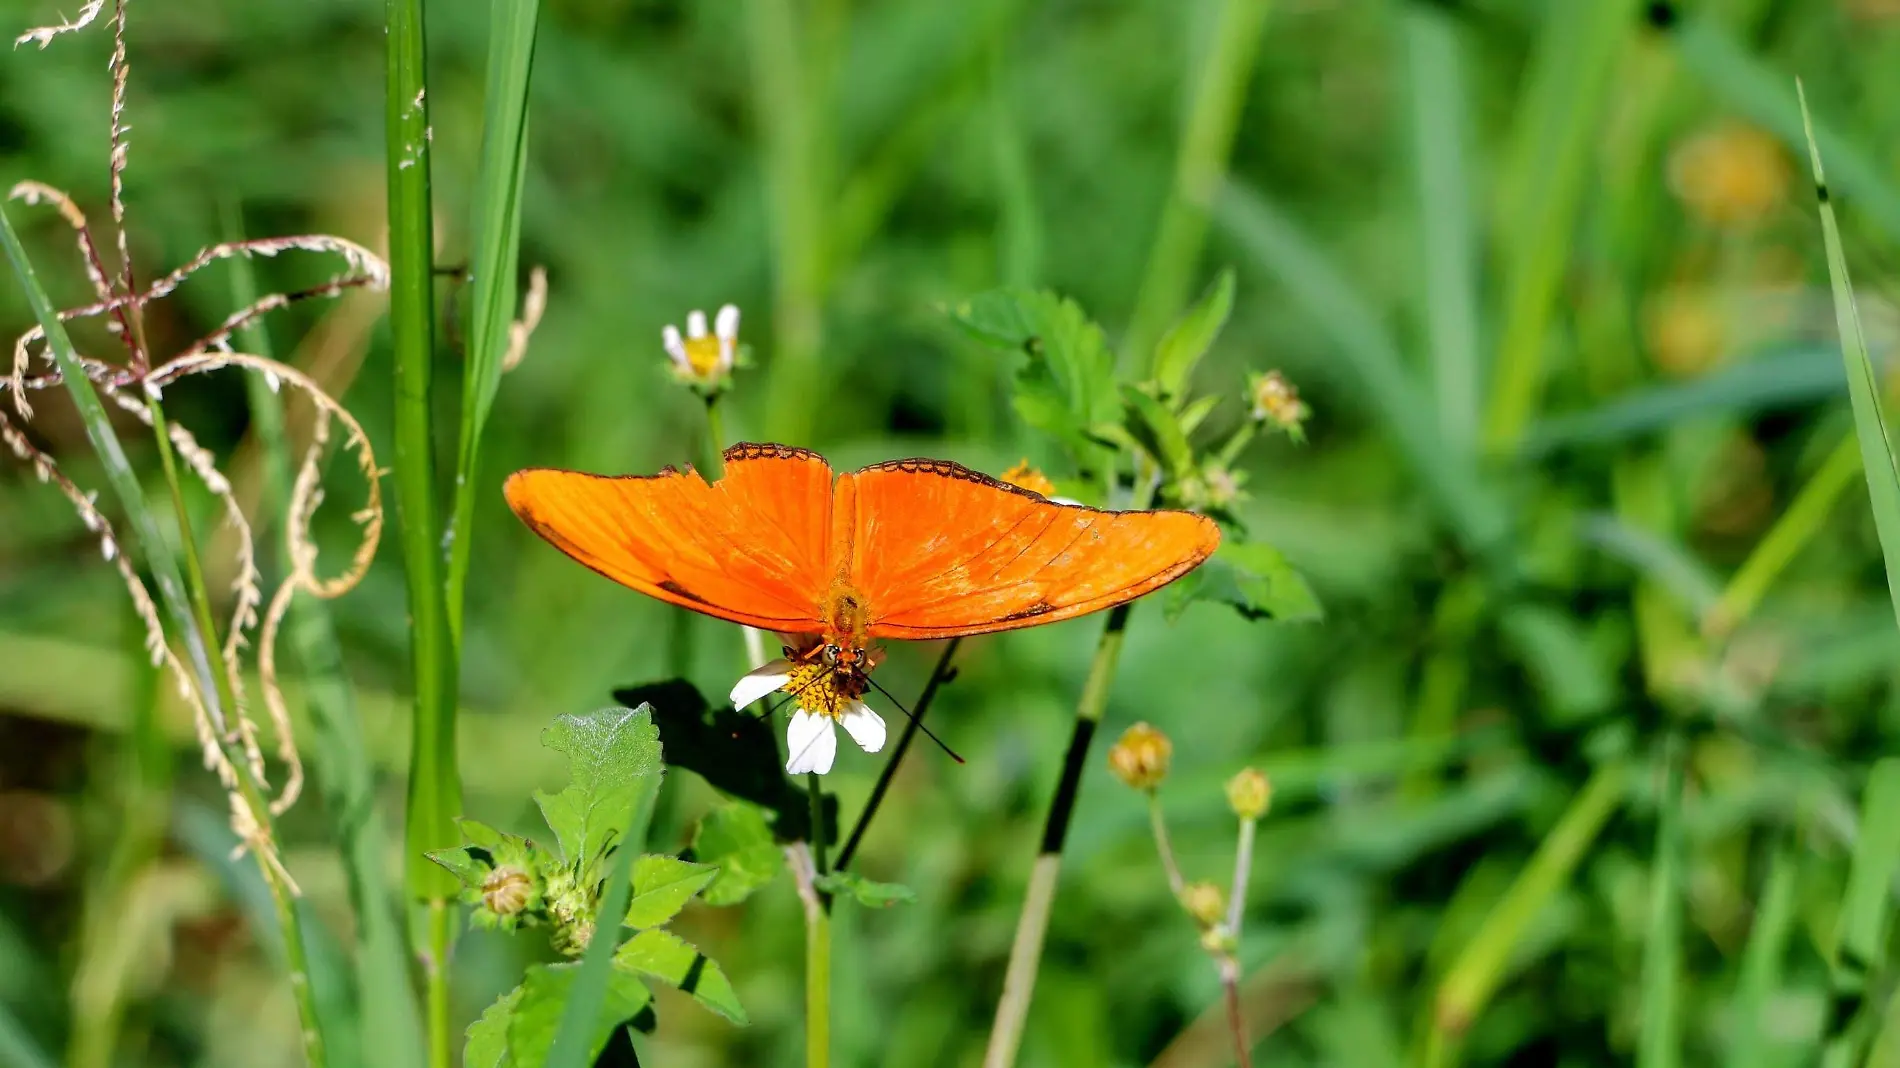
<point>1276,401</point>
<point>1683,331</point>
<point>1023,476</point>
<point>1249,793</point>
<point>704,358</point>
<point>1204,902</point>
<point>1730,174</point>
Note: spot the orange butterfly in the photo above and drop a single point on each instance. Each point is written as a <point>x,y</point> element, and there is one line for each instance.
<point>908,549</point>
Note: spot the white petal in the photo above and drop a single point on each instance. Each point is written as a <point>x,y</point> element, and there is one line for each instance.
<point>866,727</point>
<point>675,347</point>
<point>760,681</point>
<point>812,743</point>
<point>727,323</point>
<point>728,353</point>
<point>696,324</point>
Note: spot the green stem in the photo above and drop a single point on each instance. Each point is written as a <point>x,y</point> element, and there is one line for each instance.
<point>1025,953</point>
<point>1163,847</point>
<point>282,897</point>
<point>938,675</point>
<point>1659,1041</point>
<point>1199,171</point>
<point>715,440</point>
<point>1785,540</point>
<point>817,942</point>
<point>434,788</point>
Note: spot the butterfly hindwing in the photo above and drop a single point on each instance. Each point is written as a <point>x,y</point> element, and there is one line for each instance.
<point>938,551</point>
<point>751,548</point>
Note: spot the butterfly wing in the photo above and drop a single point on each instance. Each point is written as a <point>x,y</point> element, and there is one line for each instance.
<point>750,548</point>
<point>939,551</point>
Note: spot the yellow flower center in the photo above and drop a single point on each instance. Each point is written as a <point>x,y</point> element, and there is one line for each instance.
<point>703,354</point>
<point>823,690</point>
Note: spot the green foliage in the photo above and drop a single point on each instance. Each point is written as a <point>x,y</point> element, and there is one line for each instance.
<point>614,762</point>
<point>1252,578</point>
<point>865,892</point>
<point>1182,347</point>
<point>735,839</point>
<point>1066,384</point>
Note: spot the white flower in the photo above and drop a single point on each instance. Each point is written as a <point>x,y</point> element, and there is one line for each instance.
<point>700,357</point>
<point>811,737</point>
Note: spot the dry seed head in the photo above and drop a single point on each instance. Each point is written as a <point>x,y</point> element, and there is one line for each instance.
<point>1140,757</point>
<point>1204,902</point>
<point>1249,794</point>
<point>1275,401</point>
<point>507,890</point>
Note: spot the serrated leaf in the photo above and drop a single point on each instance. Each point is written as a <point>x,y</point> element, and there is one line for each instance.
<point>611,755</point>
<point>1190,338</point>
<point>1067,382</point>
<point>1252,578</point>
<point>675,962</point>
<point>487,1038</point>
<point>662,886</point>
<point>1159,431</point>
<point>463,863</point>
<point>544,992</point>
<point>864,891</point>
<point>735,838</point>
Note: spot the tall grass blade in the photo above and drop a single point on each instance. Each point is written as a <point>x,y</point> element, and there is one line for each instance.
<point>17,1047</point>
<point>1200,168</point>
<point>1447,230</point>
<point>435,790</point>
<point>1763,960</point>
<point>493,280</point>
<point>1541,188</point>
<point>391,1021</point>
<point>1659,1043</point>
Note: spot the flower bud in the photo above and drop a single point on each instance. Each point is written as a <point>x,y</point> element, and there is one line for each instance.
<point>1277,403</point>
<point>1730,174</point>
<point>1023,476</point>
<point>1249,794</point>
<point>1204,902</point>
<point>507,890</point>
<point>1140,757</point>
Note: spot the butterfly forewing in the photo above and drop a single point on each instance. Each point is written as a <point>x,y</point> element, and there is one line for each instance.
<point>939,551</point>
<point>751,548</point>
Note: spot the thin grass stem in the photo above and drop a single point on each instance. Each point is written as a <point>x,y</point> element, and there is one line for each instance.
<point>938,676</point>
<point>1158,823</point>
<point>1025,952</point>
<point>1793,532</point>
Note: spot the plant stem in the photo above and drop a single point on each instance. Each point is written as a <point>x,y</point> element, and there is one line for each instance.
<point>1025,953</point>
<point>1162,846</point>
<point>938,676</point>
<point>1785,540</point>
<point>1236,1023</point>
<point>282,897</point>
<point>817,942</point>
<point>1200,169</point>
<point>434,789</point>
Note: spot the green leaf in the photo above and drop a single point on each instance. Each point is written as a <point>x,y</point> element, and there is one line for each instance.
<point>662,886</point>
<point>1067,383</point>
<point>530,1015</point>
<point>1159,431</point>
<point>735,839</point>
<point>864,891</point>
<point>464,864</point>
<point>610,755</point>
<point>666,957</point>
<point>487,1045</point>
<point>1251,577</point>
<point>734,751</point>
<point>1195,412</point>
<point>1190,338</point>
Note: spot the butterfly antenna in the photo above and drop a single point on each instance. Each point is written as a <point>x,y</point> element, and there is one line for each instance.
<point>914,719</point>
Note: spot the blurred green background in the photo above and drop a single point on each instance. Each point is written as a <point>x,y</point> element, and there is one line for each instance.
<point>1548,273</point>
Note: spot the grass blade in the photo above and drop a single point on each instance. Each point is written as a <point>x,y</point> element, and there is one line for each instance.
<point>1541,188</point>
<point>1763,960</point>
<point>493,280</point>
<point>1200,167</point>
<point>386,1004</point>
<point>435,790</point>
<point>1478,969</point>
<point>1449,297</point>
<point>1870,421</point>
<point>1660,1039</point>
<point>17,1048</point>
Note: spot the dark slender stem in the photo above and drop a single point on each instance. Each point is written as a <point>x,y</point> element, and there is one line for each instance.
<point>1236,1023</point>
<point>937,677</point>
